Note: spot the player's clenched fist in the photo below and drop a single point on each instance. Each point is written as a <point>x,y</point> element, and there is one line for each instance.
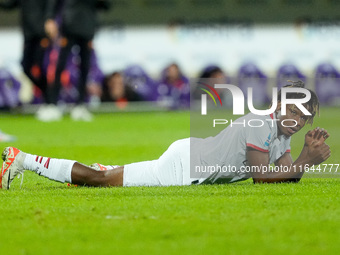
<point>317,150</point>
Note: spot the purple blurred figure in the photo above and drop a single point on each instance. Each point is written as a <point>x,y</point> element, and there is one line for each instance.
<point>136,77</point>
<point>173,88</point>
<point>9,90</point>
<point>250,76</point>
<point>327,83</point>
<point>288,72</point>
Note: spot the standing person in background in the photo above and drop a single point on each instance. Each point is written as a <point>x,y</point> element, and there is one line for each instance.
<point>35,40</point>
<point>78,28</point>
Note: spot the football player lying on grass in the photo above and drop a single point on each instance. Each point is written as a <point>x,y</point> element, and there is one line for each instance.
<point>238,147</point>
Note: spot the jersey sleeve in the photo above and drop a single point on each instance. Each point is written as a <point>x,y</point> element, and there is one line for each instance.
<point>259,138</point>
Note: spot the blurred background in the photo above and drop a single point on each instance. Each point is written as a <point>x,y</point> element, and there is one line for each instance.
<point>149,50</point>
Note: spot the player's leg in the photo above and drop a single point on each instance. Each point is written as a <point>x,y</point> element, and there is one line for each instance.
<point>52,112</point>
<point>171,169</point>
<point>84,175</point>
<point>43,112</point>
<point>41,49</point>
<point>85,56</point>
<point>80,112</point>
<point>61,170</point>
<point>28,57</point>
<point>66,45</point>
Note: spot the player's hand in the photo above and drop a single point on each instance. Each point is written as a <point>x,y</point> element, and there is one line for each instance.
<point>51,29</point>
<point>317,135</point>
<point>317,150</point>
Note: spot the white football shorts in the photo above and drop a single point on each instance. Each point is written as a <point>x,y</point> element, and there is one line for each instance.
<point>171,169</point>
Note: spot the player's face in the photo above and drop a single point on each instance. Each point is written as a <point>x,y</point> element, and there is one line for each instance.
<point>294,120</point>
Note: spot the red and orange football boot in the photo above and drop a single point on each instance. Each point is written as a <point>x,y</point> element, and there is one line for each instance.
<point>12,166</point>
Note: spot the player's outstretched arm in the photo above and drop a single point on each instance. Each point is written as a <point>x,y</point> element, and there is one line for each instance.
<point>314,152</point>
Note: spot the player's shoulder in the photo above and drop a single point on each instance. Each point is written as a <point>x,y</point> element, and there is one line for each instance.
<point>261,126</point>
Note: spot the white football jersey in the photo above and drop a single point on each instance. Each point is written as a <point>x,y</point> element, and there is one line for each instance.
<point>222,159</point>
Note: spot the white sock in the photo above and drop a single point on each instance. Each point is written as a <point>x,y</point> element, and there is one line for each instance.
<point>54,169</point>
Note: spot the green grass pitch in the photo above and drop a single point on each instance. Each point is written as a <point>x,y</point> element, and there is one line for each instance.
<point>45,217</point>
